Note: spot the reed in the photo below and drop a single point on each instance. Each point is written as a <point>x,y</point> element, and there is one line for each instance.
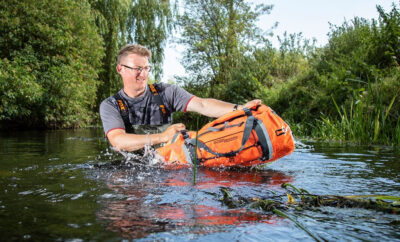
<point>364,119</point>
<point>195,153</point>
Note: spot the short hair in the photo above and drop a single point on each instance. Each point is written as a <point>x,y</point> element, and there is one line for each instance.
<point>133,49</point>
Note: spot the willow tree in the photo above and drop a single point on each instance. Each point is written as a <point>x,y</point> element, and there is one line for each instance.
<point>218,35</point>
<point>146,22</point>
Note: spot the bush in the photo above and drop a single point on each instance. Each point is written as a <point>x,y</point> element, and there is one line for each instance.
<point>50,54</point>
<point>351,91</point>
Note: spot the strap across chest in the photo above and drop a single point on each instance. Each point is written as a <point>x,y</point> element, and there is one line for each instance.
<point>124,110</point>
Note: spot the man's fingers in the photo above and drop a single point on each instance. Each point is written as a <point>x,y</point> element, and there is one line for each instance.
<point>252,103</point>
<point>179,126</point>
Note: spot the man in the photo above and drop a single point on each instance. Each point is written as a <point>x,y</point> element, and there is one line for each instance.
<point>141,114</point>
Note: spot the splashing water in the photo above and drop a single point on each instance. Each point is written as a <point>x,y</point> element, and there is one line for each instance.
<point>148,156</point>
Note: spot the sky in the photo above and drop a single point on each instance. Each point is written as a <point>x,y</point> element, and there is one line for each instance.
<point>310,17</point>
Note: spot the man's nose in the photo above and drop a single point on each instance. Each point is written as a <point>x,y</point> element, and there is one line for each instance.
<point>141,73</point>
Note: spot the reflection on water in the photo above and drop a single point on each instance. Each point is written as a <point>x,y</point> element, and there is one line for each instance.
<point>154,200</point>
<point>69,185</point>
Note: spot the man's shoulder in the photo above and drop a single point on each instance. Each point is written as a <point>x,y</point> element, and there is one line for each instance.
<point>109,102</point>
<point>162,85</point>
<point>167,87</point>
<point>115,96</point>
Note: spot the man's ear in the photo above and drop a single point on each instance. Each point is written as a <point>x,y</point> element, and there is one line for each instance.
<point>118,68</point>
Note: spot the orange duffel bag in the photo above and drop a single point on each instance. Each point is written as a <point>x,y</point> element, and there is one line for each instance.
<point>241,138</point>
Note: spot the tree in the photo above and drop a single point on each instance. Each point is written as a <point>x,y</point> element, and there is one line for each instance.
<point>146,22</point>
<point>388,42</point>
<point>218,35</point>
<point>49,56</point>
<point>352,89</point>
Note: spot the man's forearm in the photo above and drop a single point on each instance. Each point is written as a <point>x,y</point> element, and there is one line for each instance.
<point>211,107</point>
<point>121,140</point>
<point>215,108</point>
<point>132,142</point>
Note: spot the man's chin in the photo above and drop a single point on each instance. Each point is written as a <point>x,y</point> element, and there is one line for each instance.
<point>141,82</point>
<point>141,85</point>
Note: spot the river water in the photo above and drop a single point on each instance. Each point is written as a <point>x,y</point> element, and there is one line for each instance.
<point>70,186</point>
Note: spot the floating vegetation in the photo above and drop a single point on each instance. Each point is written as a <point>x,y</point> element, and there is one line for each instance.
<point>300,199</point>
<point>383,203</point>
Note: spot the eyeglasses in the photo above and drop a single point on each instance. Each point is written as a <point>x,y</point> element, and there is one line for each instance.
<point>138,69</point>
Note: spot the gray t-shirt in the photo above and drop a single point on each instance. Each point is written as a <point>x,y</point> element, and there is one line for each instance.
<point>143,110</point>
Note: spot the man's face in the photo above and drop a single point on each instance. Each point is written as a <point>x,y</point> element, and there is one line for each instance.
<point>134,70</point>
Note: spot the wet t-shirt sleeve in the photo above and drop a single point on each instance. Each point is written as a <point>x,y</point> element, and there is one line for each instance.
<point>177,97</point>
<point>110,116</point>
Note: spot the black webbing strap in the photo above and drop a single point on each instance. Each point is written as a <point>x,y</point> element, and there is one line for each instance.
<point>159,101</point>
<point>250,123</point>
<point>264,140</point>
<point>174,137</point>
<point>123,110</point>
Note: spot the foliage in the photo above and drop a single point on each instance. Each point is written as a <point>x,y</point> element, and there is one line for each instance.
<point>110,18</point>
<point>220,39</point>
<point>345,90</point>
<point>366,99</point>
<point>366,118</point>
<point>387,41</point>
<point>218,35</point>
<point>57,57</point>
<point>266,69</point>
<point>146,22</point>
<point>54,53</point>
<point>49,57</point>
<point>233,61</point>
<point>351,90</point>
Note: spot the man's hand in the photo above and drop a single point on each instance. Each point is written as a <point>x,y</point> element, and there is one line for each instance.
<point>250,104</point>
<point>171,131</point>
<point>215,108</point>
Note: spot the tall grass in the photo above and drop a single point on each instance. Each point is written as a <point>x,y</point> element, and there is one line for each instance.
<point>365,119</point>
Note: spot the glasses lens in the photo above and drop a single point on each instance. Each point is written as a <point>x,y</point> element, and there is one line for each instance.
<point>139,69</point>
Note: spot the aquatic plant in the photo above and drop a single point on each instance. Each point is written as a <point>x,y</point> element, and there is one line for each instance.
<point>268,205</point>
<point>366,118</point>
<point>300,199</point>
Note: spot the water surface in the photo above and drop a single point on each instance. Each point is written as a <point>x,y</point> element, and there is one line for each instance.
<point>68,185</point>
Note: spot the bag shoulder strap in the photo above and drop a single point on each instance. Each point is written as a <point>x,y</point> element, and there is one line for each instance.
<point>249,125</point>
<point>164,112</point>
<point>124,111</point>
<point>252,123</point>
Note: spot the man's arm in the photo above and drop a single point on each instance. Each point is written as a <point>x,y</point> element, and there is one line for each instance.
<point>121,140</point>
<point>215,108</point>
<point>114,129</point>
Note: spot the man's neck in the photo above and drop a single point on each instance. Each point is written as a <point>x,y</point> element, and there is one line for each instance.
<point>134,93</point>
